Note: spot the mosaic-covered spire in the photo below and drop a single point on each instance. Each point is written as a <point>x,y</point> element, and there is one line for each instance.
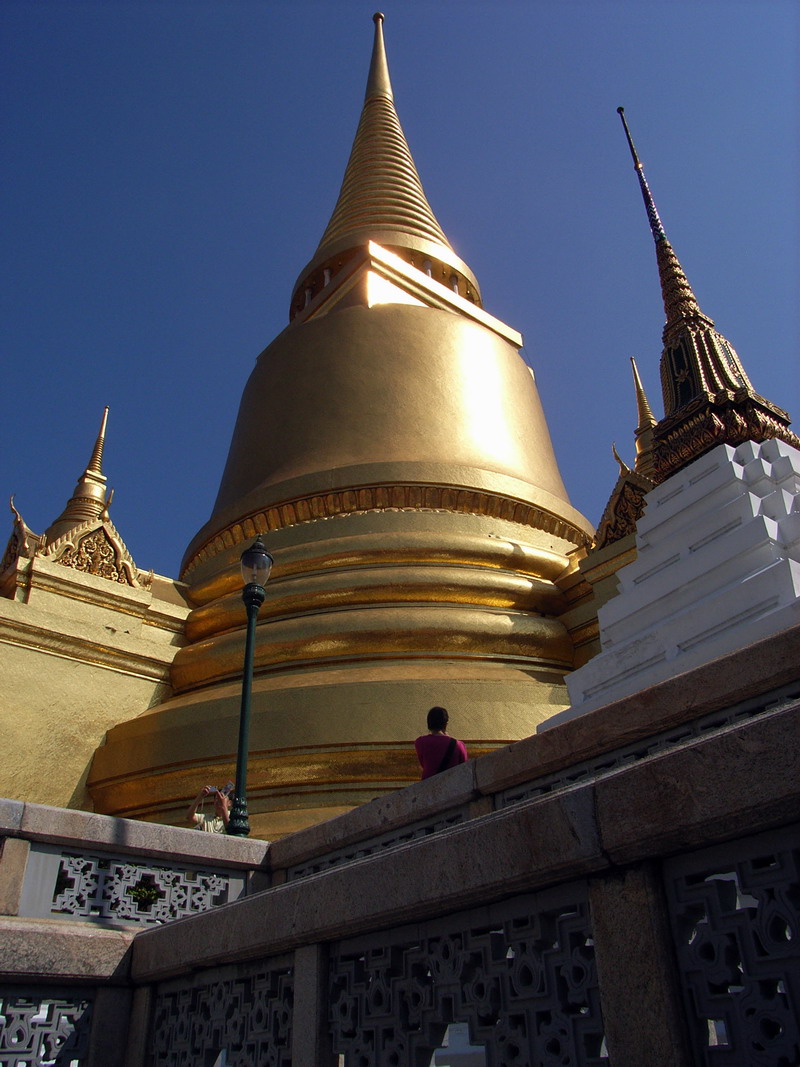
<point>708,398</point>
<point>382,199</point>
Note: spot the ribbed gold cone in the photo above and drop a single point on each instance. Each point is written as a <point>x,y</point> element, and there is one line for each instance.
<point>381,188</point>
<point>382,199</point>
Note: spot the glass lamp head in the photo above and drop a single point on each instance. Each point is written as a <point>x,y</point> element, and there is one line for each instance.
<point>256,564</point>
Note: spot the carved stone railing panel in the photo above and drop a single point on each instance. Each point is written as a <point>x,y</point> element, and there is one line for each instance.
<point>735,914</point>
<point>238,1016</point>
<point>44,1027</point>
<point>521,974</point>
<point>402,835</point>
<point>119,890</point>
<point>649,746</point>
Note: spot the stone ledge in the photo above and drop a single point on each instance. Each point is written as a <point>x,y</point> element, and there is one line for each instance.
<point>738,782</point>
<point>518,849</point>
<point>55,951</point>
<point>433,798</point>
<point>10,816</point>
<point>768,664</point>
<point>87,830</point>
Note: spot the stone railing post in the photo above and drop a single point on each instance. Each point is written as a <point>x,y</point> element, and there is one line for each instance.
<point>642,1011</point>
<point>311,1042</point>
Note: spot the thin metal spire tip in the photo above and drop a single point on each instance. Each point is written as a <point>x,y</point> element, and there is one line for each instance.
<point>636,161</point>
<point>656,226</point>
<point>378,80</point>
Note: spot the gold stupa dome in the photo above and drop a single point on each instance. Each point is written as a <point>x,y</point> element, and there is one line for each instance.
<point>392,452</point>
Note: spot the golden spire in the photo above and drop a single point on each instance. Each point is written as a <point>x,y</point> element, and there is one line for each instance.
<point>708,398</point>
<point>645,461</point>
<point>382,200</point>
<point>88,500</point>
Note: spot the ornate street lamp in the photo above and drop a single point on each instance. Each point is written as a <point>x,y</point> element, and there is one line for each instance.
<point>256,565</point>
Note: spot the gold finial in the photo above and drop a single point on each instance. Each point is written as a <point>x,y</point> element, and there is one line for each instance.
<point>679,300</point>
<point>378,81</point>
<point>708,398</point>
<point>104,514</point>
<point>89,496</point>
<point>646,417</point>
<point>96,462</point>
<point>645,458</point>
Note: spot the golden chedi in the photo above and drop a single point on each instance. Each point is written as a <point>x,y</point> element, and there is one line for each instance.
<point>392,450</point>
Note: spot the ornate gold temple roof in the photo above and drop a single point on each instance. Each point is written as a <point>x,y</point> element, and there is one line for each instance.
<point>83,536</point>
<point>382,200</point>
<point>708,398</point>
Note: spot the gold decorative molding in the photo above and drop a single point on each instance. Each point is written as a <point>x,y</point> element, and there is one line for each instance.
<point>376,498</point>
<point>77,649</point>
<point>583,634</point>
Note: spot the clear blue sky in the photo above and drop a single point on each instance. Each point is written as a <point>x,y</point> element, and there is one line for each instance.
<point>169,167</point>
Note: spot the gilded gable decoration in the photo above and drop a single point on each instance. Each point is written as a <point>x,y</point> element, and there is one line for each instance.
<point>95,548</point>
<point>625,506</point>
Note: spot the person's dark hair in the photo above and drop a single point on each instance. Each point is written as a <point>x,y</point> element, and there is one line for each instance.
<point>437,718</point>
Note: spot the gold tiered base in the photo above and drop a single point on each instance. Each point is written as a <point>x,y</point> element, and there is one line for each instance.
<point>366,625</point>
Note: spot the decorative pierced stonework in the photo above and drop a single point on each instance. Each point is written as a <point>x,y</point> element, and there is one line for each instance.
<point>369,498</point>
<point>521,974</point>
<point>241,1018</point>
<point>736,923</point>
<point>44,1028</point>
<point>101,887</point>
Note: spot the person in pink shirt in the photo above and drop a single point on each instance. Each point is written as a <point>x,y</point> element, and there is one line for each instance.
<point>436,751</point>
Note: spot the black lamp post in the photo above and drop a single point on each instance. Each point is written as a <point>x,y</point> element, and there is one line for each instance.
<point>256,565</point>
